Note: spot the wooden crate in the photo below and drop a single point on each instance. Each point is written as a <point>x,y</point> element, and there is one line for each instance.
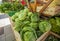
<point>44,7</point>
<point>17,36</point>
<point>41,38</point>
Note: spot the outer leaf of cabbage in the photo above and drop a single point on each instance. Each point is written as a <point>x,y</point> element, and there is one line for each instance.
<point>34,25</point>
<point>30,13</point>
<point>14,17</point>
<point>18,24</point>
<point>58,21</point>
<point>26,10</point>
<point>34,18</point>
<point>22,16</point>
<point>17,14</point>
<point>29,29</point>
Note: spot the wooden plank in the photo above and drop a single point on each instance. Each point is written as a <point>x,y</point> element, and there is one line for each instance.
<point>56,35</point>
<point>45,6</point>
<point>43,36</point>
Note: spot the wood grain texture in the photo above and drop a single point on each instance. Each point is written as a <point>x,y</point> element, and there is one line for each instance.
<point>45,6</point>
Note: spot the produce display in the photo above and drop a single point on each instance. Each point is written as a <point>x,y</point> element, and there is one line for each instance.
<point>34,20</point>
<point>26,23</point>
<point>31,26</point>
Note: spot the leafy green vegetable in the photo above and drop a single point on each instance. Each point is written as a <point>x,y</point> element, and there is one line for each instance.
<point>7,7</point>
<point>30,13</point>
<point>39,33</point>
<point>34,25</point>
<point>34,17</point>
<point>29,36</point>
<point>55,24</point>
<point>17,13</point>
<point>22,16</point>
<point>58,21</point>
<point>26,22</point>
<point>27,31</point>
<point>14,17</point>
<point>26,10</point>
<point>18,25</point>
<point>44,26</point>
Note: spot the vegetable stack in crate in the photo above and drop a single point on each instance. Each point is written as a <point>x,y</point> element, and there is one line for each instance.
<point>34,26</point>
<point>47,8</point>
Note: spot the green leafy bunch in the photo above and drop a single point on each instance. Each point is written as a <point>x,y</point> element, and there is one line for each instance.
<point>55,24</point>
<point>7,7</point>
<point>26,23</point>
<point>24,17</point>
<point>31,26</point>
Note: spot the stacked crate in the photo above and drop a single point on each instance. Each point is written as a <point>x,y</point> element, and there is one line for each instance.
<point>6,32</point>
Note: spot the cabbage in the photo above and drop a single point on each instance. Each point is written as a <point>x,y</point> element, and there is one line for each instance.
<point>34,17</point>
<point>28,34</point>
<point>44,26</point>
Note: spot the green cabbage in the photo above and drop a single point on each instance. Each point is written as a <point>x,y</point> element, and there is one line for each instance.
<point>44,26</point>
<point>34,17</point>
<point>28,34</point>
<point>34,25</point>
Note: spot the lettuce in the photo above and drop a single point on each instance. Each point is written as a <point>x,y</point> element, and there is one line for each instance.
<point>44,26</point>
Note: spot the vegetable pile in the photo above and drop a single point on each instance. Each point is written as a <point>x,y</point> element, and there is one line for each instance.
<point>15,6</point>
<point>26,23</point>
<point>55,22</point>
<point>31,26</point>
<point>9,8</point>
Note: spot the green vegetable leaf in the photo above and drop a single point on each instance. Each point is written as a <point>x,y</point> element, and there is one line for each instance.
<point>29,36</point>
<point>34,25</point>
<point>34,17</point>
<point>22,16</point>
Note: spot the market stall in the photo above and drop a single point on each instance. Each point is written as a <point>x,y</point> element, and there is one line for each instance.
<point>33,20</point>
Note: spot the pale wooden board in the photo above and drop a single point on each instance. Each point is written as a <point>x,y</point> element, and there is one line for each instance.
<point>17,36</point>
